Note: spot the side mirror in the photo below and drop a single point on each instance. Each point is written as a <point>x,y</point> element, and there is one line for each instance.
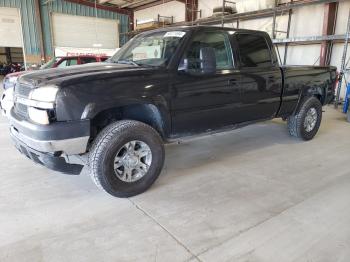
<point>204,65</point>
<point>208,60</point>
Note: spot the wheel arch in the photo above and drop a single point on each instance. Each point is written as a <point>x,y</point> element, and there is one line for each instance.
<point>308,92</point>
<point>317,92</point>
<point>150,114</point>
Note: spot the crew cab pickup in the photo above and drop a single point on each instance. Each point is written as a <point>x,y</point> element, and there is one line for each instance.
<point>116,116</point>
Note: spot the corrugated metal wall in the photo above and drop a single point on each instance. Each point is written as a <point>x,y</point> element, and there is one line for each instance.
<point>29,21</point>
<point>30,34</point>
<point>60,6</point>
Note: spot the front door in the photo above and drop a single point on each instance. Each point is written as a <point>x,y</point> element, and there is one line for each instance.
<point>203,102</point>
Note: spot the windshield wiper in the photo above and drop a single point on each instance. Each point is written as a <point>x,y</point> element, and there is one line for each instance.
<point>131,62</point>
<point>127,62</point>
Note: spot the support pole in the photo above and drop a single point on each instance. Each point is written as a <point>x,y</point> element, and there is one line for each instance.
<point>287,35</point>
<point>223,12</point>
<point>8,55</point>
<point>343,64</point>
<point>274,21</point>
<point>191,11</point>
<point>329,23</point>
<point>40,31</point>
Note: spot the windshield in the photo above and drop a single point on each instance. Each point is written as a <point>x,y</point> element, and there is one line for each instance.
<point>50,63</point>
<point>154,49</point>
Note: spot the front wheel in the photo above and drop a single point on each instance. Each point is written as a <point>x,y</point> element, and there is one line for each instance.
<point>306,122</point>
<point>126,158</point>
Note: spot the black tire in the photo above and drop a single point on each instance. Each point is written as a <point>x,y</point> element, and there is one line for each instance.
<point>106,146</point>
<point>296,122</point>
<point>227,9</point>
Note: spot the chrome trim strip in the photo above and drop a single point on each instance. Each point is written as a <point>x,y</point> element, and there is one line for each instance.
<point>72,146</point>
<point>34,103</point>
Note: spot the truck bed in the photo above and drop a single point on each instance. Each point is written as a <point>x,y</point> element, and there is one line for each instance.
<point>298,80</point>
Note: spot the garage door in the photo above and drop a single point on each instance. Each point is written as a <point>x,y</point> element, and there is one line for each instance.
<point>86,32</point>
<point>10,27</point>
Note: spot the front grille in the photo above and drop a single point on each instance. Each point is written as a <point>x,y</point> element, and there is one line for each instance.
<point>21,90</point>
<point>21,109</point>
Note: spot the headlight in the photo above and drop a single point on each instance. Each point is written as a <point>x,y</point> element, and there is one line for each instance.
<point>39,116</point>
<point>44,94</point>
<point>40,102</point>
<point>12,79</point>
<point>9,82</point>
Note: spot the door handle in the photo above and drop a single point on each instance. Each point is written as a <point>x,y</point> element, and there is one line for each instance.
<point>271,79</point>
<point>232,82</point>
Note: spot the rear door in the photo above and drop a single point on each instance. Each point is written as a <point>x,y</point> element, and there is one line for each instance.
<point>261,77</point>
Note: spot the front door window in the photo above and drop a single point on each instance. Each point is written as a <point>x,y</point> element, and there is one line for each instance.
<point>218,41</point>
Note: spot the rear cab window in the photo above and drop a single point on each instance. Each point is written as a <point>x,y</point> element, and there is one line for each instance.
<point>72,61</point>
<point>254,50</point>
<point>68,62</point>
<point>86,60</point>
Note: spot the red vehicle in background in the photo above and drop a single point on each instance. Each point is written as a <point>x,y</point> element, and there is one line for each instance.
<point>9,82</point>
<point>59,62</point>
<point>73,60</point>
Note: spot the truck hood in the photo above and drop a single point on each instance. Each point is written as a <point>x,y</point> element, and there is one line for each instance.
<point>95,71</point>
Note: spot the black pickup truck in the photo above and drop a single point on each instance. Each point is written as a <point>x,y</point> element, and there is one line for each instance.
<point>164,84</point>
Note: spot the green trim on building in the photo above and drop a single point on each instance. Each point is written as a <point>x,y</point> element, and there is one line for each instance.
<point>29,22</point>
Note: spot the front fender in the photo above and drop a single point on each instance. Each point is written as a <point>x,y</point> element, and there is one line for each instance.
<point>154,112</point>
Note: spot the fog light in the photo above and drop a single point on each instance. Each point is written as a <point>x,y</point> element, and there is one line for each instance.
<point>38,115</point>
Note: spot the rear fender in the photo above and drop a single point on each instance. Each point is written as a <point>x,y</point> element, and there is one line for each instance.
<point>309,92</point>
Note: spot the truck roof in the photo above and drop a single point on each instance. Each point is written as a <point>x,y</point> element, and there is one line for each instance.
<point>196,27</point>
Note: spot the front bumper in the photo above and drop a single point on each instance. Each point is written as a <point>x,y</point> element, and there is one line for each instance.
<point>49,160</point>
<point>51,145</point>
<point>70,137</point>
<point>70,146</point>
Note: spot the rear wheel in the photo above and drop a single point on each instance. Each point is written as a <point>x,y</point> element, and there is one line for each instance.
<point>306,122</point>
<point>126,158</point>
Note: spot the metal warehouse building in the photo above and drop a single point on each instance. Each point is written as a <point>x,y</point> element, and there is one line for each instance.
<point>174,130</point>
<point>34,28</point>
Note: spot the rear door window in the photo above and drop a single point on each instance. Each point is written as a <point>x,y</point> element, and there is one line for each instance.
<point>254,51</point>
